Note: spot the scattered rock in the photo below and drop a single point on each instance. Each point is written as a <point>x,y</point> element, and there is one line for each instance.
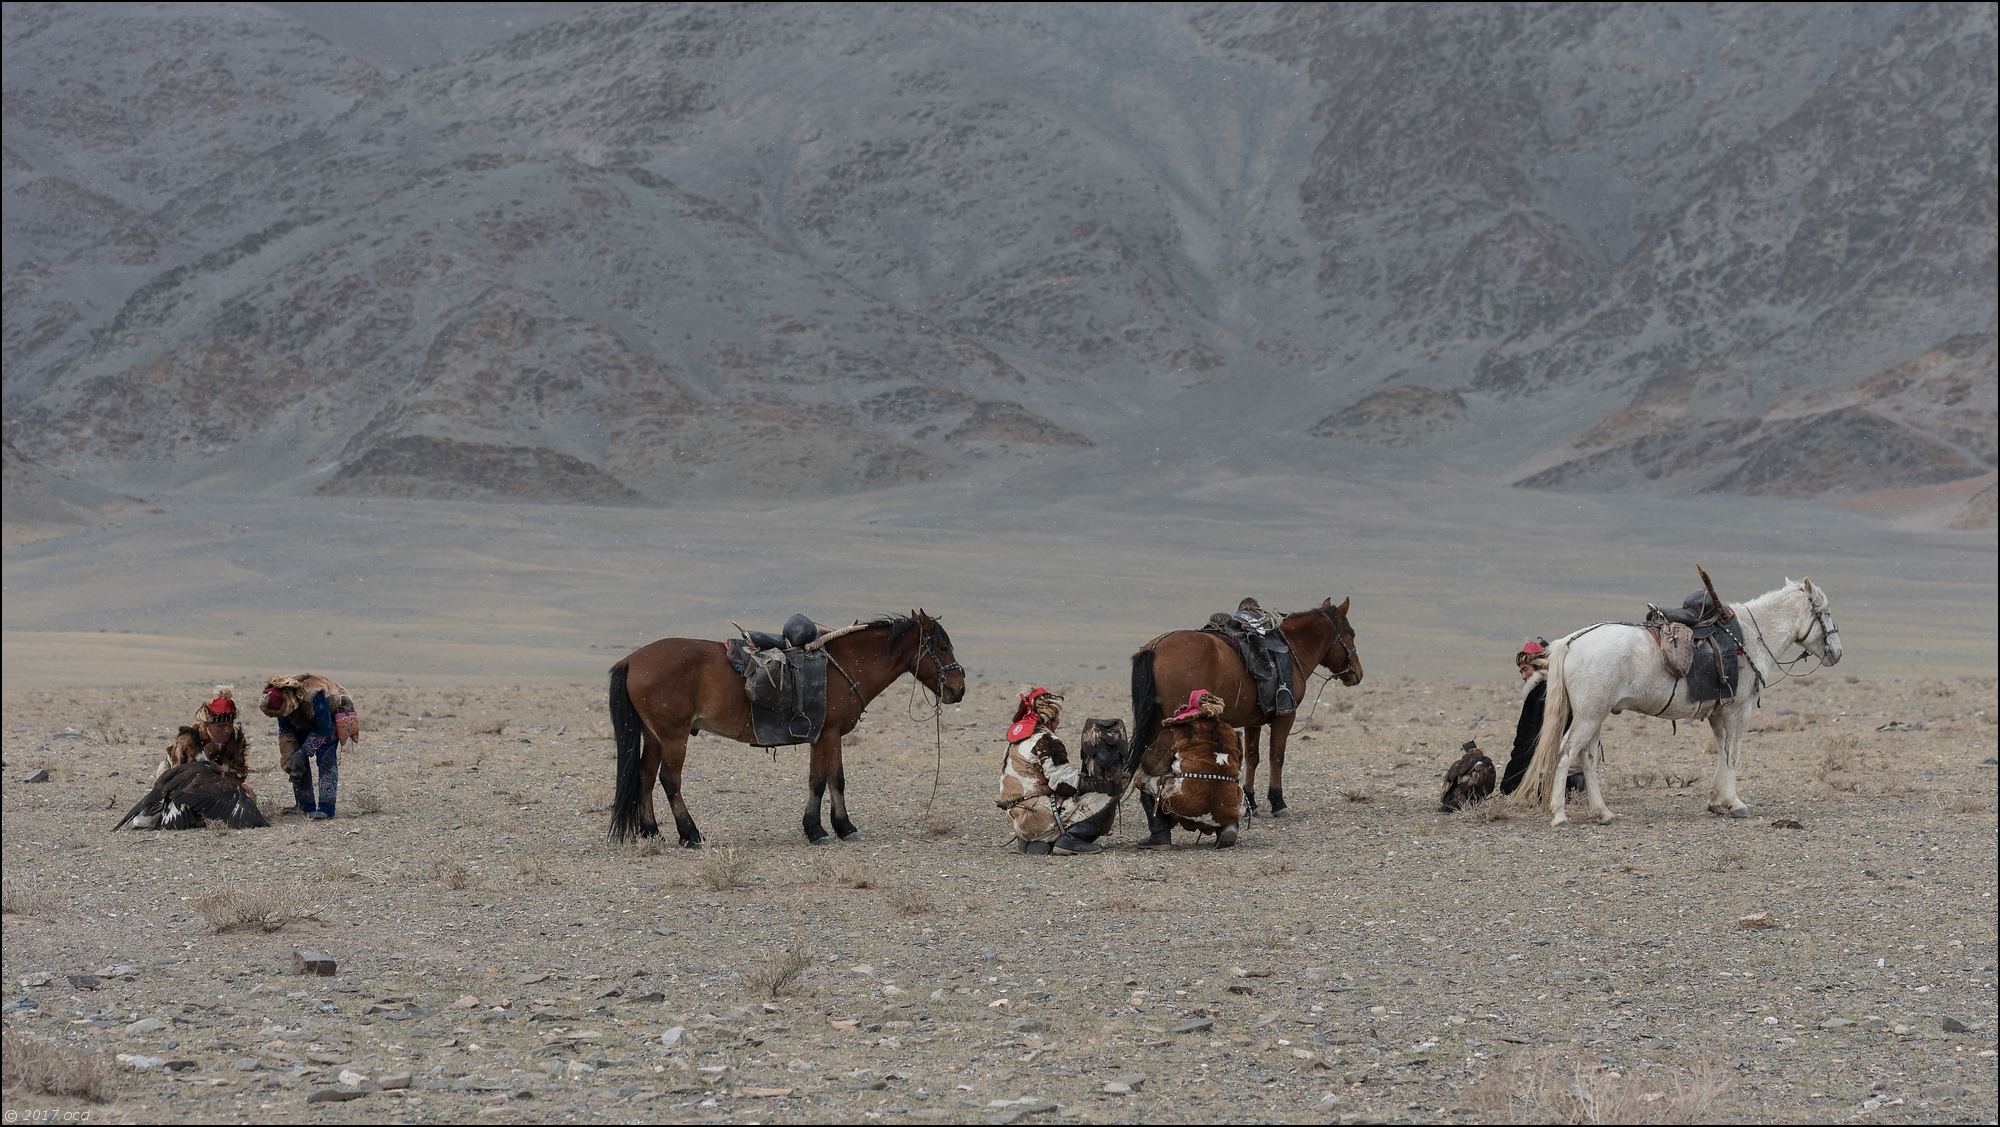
<point>1835,1023</point>
<point>84,981</point>
<point>23,1004</point>
<point>335,1095</point>
<point>1027,1025</point>
<point>394,1081</point>
<point>38,775</point>
<point>1788,824</point>
<point>1757,920</point>
<point>673,1036</point>
<point>142,1063</point>
<point>1953,1025</point>
<point>351,1078</point>
<point>305,960</point>
<point>143,1026</point>
<point>181,1066</point>
<point>1198,1025</point>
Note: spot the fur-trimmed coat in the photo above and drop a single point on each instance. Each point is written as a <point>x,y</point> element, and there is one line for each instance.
<point>1201,746</point>
<point>1041,788</point>
<point>232,756</point>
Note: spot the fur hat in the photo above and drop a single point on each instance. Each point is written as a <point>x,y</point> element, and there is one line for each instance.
<point>1200,703</point>
<point>1039,708</point>
<point>221,707</point>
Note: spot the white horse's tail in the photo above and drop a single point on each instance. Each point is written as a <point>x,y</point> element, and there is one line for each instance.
<point>1541,775</point>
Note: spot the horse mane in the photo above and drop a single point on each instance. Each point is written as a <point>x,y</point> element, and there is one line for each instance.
<point>898,624</point>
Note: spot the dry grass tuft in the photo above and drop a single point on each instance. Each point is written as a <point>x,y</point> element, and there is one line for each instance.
<point>909,902</point>
<point>487,726</point>
<point>109,727</point>
<point>1556,1086</point>
<point>45,1068</point>
<point>655,846</point>
<point>1968,804</point>
<point>537,871</point>
<point>1348,794</point>
<point>937,826</point>
<point>338,871</point>
<point>360,800</point>
<point>451,874</point>
<point>231,909</point>
<point>1272,866</point>
<point>780,974</point>
<point>18,901</point>
<point>844,873</point>
<point>723,869</point>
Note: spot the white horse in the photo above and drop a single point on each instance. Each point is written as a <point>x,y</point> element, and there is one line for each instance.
<point>1612,666</point>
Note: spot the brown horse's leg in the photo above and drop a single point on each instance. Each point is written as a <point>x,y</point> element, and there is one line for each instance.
<point>673,755</point>
<point>838,779</point>
<point>816,778</point>
<point>649,770</point>
<point>1281,730</point>
<point>1251,737</point>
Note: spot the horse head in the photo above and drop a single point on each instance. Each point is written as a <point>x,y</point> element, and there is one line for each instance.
<point>1817,632</point>
<point>935,664</point>
<point>1342,658</point>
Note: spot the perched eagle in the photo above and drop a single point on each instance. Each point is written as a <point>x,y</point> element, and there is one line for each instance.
<point>1467,781</point>
<point>188,796</point>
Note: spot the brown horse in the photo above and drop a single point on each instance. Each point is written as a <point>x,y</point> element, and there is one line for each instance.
<point>664,692</point>
<point>1177,663</point>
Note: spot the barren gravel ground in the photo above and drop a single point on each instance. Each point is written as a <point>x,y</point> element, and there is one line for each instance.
<point>1364,959</point>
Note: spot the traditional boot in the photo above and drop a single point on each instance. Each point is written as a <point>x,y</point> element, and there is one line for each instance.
<point>1082,834</point>
<point>1034,848</point>
<point>1162,827</point>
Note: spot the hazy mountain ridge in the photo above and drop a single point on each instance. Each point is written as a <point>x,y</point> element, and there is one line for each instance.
<point>718,251</point>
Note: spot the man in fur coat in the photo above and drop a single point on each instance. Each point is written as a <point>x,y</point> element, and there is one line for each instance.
<point>216,735</point>
<point>315,716</point>
<point>1055,808</point>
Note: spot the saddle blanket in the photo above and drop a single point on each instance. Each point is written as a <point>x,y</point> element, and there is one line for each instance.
<point>786,690</point>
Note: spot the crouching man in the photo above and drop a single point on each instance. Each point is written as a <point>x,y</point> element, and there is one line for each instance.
<point>1055,806</point>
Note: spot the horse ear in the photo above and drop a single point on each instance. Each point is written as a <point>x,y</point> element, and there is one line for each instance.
<point>1342,608</point>
<point>1326,602</point>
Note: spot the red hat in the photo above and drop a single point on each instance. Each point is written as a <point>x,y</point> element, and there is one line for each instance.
<point>1027,716</point>
<point>1533,648</point>
<point>220,707</point>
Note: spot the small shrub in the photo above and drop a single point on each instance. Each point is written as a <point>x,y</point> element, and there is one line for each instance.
<point>937,825</point>
<point>723,869</point>
<point>909,902</point>
<point>231,909</point>
<point>46,1068</point>
<point>845,873</point>
<point>18,901</point>
<point>451,874</point>
<point>780,974</point>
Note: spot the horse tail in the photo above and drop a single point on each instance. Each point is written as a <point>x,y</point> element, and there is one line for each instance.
<point>630,735</point>
<point>1146,713</point>
<point>1541,774</point>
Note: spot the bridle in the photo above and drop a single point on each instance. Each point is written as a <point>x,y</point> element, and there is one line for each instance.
<point>1333,627</point>
<point>1826,634</point>
<point>927,647</point>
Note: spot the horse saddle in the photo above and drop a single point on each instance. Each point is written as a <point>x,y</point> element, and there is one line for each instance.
<point>1695,610</point>
<point>1266,656</point>
<point>786,688</point>
<point>800,630</point>
<point>1700,645</point>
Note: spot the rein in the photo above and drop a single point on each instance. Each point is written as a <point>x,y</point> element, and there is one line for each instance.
<point>1785,667</point>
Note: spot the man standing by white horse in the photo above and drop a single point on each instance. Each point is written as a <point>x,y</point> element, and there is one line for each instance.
<point>1616,666</point>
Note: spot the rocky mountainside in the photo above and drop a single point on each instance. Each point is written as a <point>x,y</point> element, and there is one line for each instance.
<point>638,253</point>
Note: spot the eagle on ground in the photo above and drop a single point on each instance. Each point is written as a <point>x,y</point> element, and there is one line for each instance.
<point>1467,781</point>
<point>192,795</point>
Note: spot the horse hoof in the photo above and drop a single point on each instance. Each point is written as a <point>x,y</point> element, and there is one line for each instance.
<point>1606,818</point>
<point>817,839</point>
<point>1281,812</point>
<point>1739,812</point>
<point>851,835</point>
<point>1252,812</point>
<point>1559,822</point>
<point>1226,839</point>
<point>691,843</point>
